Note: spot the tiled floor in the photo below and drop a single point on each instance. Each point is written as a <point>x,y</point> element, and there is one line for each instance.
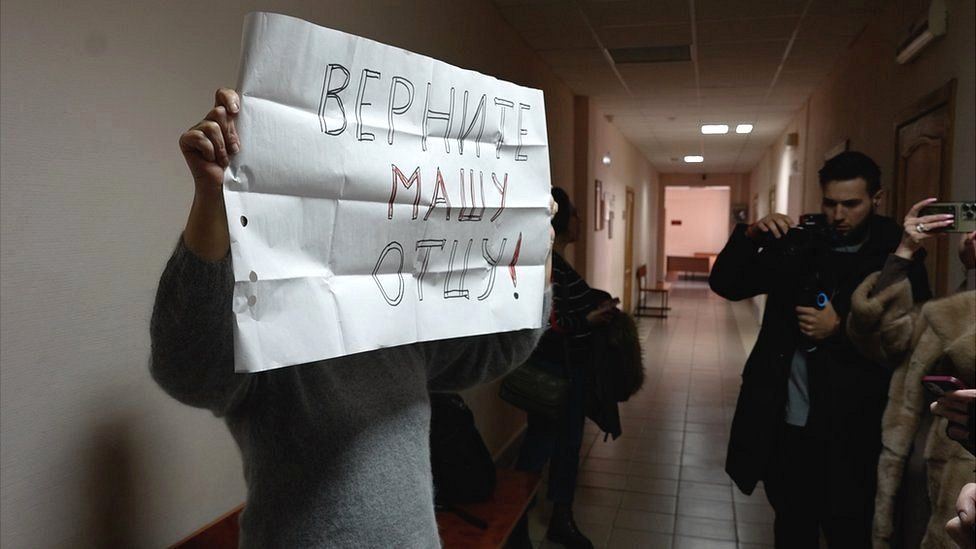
<point>662,484</point>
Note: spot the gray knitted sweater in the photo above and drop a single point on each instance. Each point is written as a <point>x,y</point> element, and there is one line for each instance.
<point>335,454</point>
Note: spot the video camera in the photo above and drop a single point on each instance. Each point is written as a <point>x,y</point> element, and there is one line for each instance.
<point>812,235</point>
<point>804,250</point>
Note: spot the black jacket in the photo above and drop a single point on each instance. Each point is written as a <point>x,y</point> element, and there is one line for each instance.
<point>847,391</point>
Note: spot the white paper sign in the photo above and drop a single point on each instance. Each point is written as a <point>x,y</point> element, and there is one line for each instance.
<point>380,198</point>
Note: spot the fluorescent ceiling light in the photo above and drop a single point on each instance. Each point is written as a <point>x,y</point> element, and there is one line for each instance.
<point>743,128</point>
<point>694,159</point>
<point>714,129</point>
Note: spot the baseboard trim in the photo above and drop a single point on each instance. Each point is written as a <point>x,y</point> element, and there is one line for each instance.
<point>507,455</point>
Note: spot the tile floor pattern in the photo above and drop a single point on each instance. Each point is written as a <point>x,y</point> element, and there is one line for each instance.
<point>662,484</point>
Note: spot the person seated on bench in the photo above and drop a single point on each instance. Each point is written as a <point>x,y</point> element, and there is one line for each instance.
<point>335,454</point>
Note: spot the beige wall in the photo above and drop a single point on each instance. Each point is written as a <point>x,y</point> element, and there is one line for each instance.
<point>94,194</point>
<point>628,168</point>
<point>737,183</point>
<point>862,97</point>
<point>701,215</point>
<point>781,170</point>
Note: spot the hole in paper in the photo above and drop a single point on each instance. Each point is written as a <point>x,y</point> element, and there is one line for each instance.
<point>251,300</point>
<point>243,221</point>
<point>253,276</point>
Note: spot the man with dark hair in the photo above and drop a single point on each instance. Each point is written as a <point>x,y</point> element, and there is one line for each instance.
<point>808,418</point>
<point>852,165</point>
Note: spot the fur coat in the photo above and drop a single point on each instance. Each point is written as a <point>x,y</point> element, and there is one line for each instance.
<point>936,339</point>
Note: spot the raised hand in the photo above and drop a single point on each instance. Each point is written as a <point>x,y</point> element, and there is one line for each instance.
<point>778,224</point>
<point>918,229</point>
<point>207,148</point>
<point>818,324</point>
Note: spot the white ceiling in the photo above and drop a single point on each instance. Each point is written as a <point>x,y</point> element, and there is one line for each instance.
<point>753,61</point>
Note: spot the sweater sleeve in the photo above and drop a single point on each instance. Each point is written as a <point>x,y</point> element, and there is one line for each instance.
<point>881,324</point>
<point>192,333</point>
<point>895,269</point>
<point>456,364</point>
<point>572,300</point>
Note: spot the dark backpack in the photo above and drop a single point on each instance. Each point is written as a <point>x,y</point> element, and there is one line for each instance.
<point>460,462</point>
<point>616,369</point>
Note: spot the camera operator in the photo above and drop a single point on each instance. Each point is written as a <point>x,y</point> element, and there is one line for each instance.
<point>807,421</point>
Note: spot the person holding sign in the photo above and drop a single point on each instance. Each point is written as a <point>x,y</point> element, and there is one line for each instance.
<point>335,453</point>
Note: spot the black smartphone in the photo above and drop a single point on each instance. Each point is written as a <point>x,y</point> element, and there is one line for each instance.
<point>964,212</point>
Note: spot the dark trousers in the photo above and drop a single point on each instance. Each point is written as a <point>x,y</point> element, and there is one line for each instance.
<point>797,486</point>
<point>558,441</point>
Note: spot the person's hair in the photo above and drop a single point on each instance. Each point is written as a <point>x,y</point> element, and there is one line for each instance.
<point>560,221</point>
<point>851,165</point>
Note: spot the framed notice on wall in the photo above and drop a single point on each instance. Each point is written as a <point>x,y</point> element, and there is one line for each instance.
<point>842,146</point>
<point>599,206</point>
<point>740,214</point>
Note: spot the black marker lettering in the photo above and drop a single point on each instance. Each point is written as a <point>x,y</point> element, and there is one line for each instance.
<point>479,113</point>
<point>460,291</point>
<point>361,102</point>
<point>519,157</point>
<point>502,105</point>
<point>398,109</point>
<point>492,262</point>
<point>392,246</point>
<point>437,115</point>
<point>330,92</point>
<point>426,245</point>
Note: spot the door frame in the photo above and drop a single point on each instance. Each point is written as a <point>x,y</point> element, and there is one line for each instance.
<point>945,96</point>
<point>630,220</point>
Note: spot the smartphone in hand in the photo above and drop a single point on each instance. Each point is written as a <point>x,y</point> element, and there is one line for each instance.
<point>940,385</point>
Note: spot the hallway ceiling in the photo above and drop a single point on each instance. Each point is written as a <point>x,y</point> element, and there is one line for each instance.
<point>754,61</point>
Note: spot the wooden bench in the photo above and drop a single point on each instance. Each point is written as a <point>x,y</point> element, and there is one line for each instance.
<point>219,534</point>
<point>513,493</point>
<point>662,289</point>
<point>697,264</point>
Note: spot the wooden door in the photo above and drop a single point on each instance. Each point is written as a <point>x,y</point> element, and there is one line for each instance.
<point>628,249</point>
<point>923,168</point>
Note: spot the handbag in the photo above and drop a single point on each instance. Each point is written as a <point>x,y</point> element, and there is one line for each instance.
<point>535,390</point>
<point>460,462</point>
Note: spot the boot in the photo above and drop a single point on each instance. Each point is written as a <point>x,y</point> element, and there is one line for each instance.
<point>563,530</point>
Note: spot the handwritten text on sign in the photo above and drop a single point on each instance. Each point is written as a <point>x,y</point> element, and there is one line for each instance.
<point>378,198</point>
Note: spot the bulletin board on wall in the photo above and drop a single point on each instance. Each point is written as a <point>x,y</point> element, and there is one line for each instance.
<point>599,206</point>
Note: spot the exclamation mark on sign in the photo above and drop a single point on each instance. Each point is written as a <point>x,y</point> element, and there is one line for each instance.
<point>511,266</point>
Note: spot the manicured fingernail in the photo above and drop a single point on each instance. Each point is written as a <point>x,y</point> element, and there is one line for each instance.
<point>234,107</point>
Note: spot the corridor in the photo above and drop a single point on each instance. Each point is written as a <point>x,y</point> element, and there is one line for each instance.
<point>662,483</point>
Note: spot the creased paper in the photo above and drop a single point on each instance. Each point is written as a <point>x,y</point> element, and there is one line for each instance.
<point>380,198</point>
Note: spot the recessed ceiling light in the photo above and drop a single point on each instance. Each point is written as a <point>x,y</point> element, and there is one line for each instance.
<point>714,129</point>
<point>606,159</point>
<point>694,159</point>
<point>743,128</point>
